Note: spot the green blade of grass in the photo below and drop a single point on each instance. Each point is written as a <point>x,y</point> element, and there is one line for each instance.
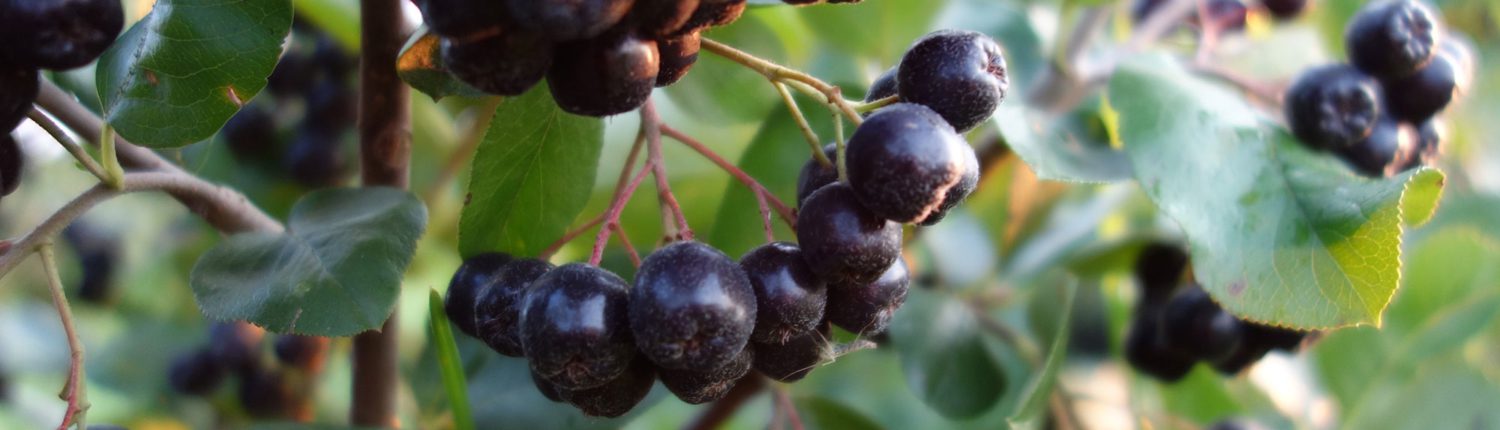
<point>449,362</point>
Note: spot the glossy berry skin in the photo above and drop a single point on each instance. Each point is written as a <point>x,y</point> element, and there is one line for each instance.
<point>575,326</point>
<point>789,298</point>
<point>1332,107</point>
<point>251,134</point>
<point>476,275</point>
<point>661,17</point>
<point>618,396</point>
<point>1285,9</point>
<point>884,86</point>
<point>960,191</point>
<point>497,310</point>
<point>461,18</point>
<point>1194,324</point>
<point>1147,351</point>
<point>59,35</point>
<point>1420,96</point>
<point>815,175</point>
<point>195,374</point>
<point>678,55</point>
<point>692,308</point>
<point>18,88</point>
<point>903,160</point>
<point>842,241</point>
<point>696,388</point>
<point>547,389</point>
<point>1391,39</point>
<point>297,350</point>
<point>565,20</point>
<point>12,161</point>
<point>793,360</point>
<point>867,309</point>
<point>504,63</point>
<point>1384,151</point>
<point>961,75</point>
<point>604,76</point>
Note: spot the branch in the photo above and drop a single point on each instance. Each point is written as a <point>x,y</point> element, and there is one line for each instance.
<point>620,183</point>
<point>831,94</point>
<point>75,390</point>
<point>62,138</point>
<point>226,210</point>
<point>781,208</point>
<point>651,128</point>
<point>721,410</point>
<point>385,157</point>
<point>612,216</point>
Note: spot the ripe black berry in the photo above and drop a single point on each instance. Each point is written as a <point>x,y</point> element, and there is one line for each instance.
<point>1421,95</point>
<point>1245,355</point>
<point>234,345</point>
<point>842,241</point>
<point>548,389</point>
<point>714,13</point>
<point>331,107</point>
<point>1147,351</point>
<point>1391,39</point>
<point>866,309</point>
<point>789,297</point>
<point>264,394</point>
<point>692,308</point>
<point>474,276</point>
<point>884,86</point>
<point>504,61</point>
<point>1285,9</point>
<point>497,310</point>
<point>604,76</point>
<point>564,20</point>
<point>459,18</point>
<point>961,75</point>
<point>98,252</point>
<point>575,326</point>
<point>796,358</point>
<point>59,35</point>
<point>903,160</point>
<point>1158,269</point>
<point>295,73</point>
<point>11,163</point>
<point>313,158</point>
<point>678,54</point>
<point>619,395</point>
<point>661,17</point>
<point>1332,107</point>
<point>960,191</point>
<point>195,374</point>
<point>251,134</point>
<point>1274,337</point>
<point>297,350</point>
<point>1194,324</point>
<point>18,87</point>
<point>1384,151</point>
<point>815,175</point>
<point>699,387</point>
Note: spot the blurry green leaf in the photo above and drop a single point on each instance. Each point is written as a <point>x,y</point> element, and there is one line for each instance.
<point>1443,271</point>
<point>335,272</point>
<point>504,397</point>
<point>1057,152</point>
<point>824,414</point>
<point>1451,329</point>
<point>1445,397</point>
<point>421,66</point>
<point>944,357</point>
<point>1347,361</point>
<point>1278,233</point>
<point>1201,397</point>
<point>531,176</point>
<point>777,149</point>
<point>1034,406</point>
<point>303,426</point>
<point>338,18</point>
<point>449,362</point>
<point>962,253</point>
<point>177,75</point>
<point>723,91</point>
<point>881,29</point>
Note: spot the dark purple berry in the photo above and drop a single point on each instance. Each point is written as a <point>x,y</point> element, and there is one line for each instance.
<point>1285,9</point>
<point>264,394</point>
<point>662,17</point>
<point>960,191</point>
<point>297,350</point>
<point>884,86</point>
<point>1242,358</point>
<point>501,61</point>
<point>619,395</point>
<point>713,13</point>
<point>575,326</point>
<point>331,106</point>
<point>195,374</point>
<point>1384,152</point>
<point>692,308</point>
<point>1158,269</point>
<point>699,387</point>
<point>565,20</point>
<point>60,34</point>
<point>461,18</point>
<point>604,76</point>
<point>903,161</point>
<point>867,309</point>
<point>793,360</point>
<point>1194,324</point>
<point>235,345</point>
<point>295,74</point>
<point>474,277</point>
<point>18,88</point>
<point>314,158</point>
<point>1332,107</point>
<point>251,134</point>
<point>1147,351</point>
<point>547,389</point>
<point>497,310</point>
<point>815,175</point>
<point>98,252</point>
<point>1392,38</point>
<point>11,163</point>
<point>789,297</point>
<point>1420,96</point>
<point>961,75</point>
<point>678,54</point>
<point>842,241</point>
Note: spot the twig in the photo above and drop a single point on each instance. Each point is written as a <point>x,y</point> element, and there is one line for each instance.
<point>620,183</point>
<point>784,402</point>
<point>612,216</point>
<point>75,392</point>
<point>62,138</point>
<point>832,95</point>
<point>651,126</point>
<point>781,208</point>
<point>721,410</point>
<point>384,126</point>
<point>635,257</point>
<point>876,104</point>
<point>765,215</point>
<point>841,149</point>
<point>807,131</point>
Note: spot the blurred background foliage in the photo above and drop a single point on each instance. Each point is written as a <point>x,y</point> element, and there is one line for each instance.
<point>994,282</point>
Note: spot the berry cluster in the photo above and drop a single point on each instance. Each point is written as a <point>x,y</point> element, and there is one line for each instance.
<point>600,57</point>
<point>313,77</point>
<point>1379,112</point>
<point>234,350</point>
<point>1177,325</point>
<point>54,35</point>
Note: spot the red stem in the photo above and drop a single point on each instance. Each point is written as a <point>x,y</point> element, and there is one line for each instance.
<point>635,151</point>
<point>651,125</point>
<point>791,410</point>
<point>765,216</point>
<point>781,208</point>
<point>612,217</point>
<point>635,257</point>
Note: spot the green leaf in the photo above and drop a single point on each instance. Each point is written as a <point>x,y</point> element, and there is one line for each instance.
<point>1056,151</point>
<point>335,272</point>
<point>1033,408</point>
<point>824,414</point>
<point>531,176</point>
<point>177,75</point>
<point>1444,270</point>
<point>776,147</point>
<point>880,29</point>
<point>421,66</point>
<point>1278,234</point>
<point>944,357</point>
<point>449,362</point>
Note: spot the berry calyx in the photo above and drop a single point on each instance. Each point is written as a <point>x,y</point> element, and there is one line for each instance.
<point>789,298</point>
<point>902,162</point>
<point>1333,107</point>
<point>692,308</point>
<point>1392,39</point>
<point>497,311</point>
<point>961,75</point>
<point>603,76</point>
<point>867,309</point>
<point>575,327</point>
<point>475,275</point>
<point>793,360</point>
<point>842,241</point>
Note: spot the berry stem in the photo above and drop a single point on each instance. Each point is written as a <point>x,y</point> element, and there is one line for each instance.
<point>765,216</point>
<point>67,142</point>
<point>831,94</point>
<point>840,149</point>
<point>721,410</point>
<point>782,209</point>
<point>876,104</point>
<point>75,391</point>
<point>612,216</point>
<point>784,402</point>
<point>651,126</point>
<point>113,174</point>
<point>620,183</point>
<point>807,131</point>
<point>1261,90</point>
<point>635,257</point>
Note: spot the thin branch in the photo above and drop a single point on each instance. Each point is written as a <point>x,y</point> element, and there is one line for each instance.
<point>62,138</point>
<point>781,208</point>
<point>778,73</point>
<point>635,257</point>
<point>570,235</point>
<point>612,216</point>
<point>807,131</point>
<point>784,402</point>
<point>765,216</point>
<point>721,410</point>
<point>877,104</point>
<point>651,126</point>
<point>1249,85</point>
<point>75,392</point>
<point>840,149</point>
<point>620,183</point>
